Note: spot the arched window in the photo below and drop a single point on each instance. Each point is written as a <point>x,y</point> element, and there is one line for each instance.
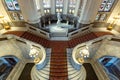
<point>97,17</point>
<point>101,17</point>
<point>71,6</point>
<point>111,66</point>
<point>7,63</point>
<point>46,6</point>
<point>59,6</point>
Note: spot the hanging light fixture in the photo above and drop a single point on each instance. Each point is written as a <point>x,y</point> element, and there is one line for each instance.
<point>84,53</point>
<point>34,53</point>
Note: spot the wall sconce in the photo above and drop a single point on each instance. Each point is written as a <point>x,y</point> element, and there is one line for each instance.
<point>110,27</point>
<point>4,22</point>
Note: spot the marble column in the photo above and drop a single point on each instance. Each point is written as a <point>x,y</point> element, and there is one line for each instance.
<point>77,7</point>
<point>29,11</point>
<point>53,6</point>
<point>41,8</point>
<point>95,9</point>
<point>89,11</point>
<point>81,14</point>
<point>65,6</point>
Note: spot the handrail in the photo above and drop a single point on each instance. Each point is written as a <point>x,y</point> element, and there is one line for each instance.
<point>2,39</point>
<point>21,41</point>
<point>80,31</point>
<point>11,36</point>
<point>115,39</point>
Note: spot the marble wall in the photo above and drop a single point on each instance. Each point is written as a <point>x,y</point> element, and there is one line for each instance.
<point>8,47</point>
<point>108,47</point>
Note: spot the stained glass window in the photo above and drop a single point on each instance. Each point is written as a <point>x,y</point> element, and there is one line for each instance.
<point>106,5</point>
<point>104,10</point>
<point>12,5</point>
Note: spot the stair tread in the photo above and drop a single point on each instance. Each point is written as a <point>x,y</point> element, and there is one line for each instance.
<point>58,78</point>
<point>58,74</point>
<point>58,67</point>
<point>58,70</point>
<point>60,60</point>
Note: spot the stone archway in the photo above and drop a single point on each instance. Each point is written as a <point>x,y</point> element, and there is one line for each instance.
<point>7,63</point>
<point>107,60</point>
<point>111,66</point>
<point>11,59</point>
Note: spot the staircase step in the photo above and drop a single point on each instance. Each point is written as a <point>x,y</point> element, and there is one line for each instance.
<point>54,59</point>
<point>59,54</point>
<point>58,74</point>
<point>59,61</point>
<point>58,64</point>
<point>58,58</point>
<point>58,67</point>
<point>58,70</point>
<point>58,78</point>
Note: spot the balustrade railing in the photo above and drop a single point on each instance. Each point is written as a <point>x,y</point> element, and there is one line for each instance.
<point>37,31</point>
<point>80,32</point>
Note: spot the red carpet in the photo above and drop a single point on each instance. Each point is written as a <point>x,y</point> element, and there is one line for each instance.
<point>58,64</point>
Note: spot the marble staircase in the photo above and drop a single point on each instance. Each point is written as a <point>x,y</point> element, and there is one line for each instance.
<point>74,74</point>
<point>44,73</point>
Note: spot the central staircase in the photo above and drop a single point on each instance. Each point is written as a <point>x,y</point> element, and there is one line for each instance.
<point>58,64</point>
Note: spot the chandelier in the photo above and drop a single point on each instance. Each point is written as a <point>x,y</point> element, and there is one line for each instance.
<point>34,53</point>
<point>84,53</point>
